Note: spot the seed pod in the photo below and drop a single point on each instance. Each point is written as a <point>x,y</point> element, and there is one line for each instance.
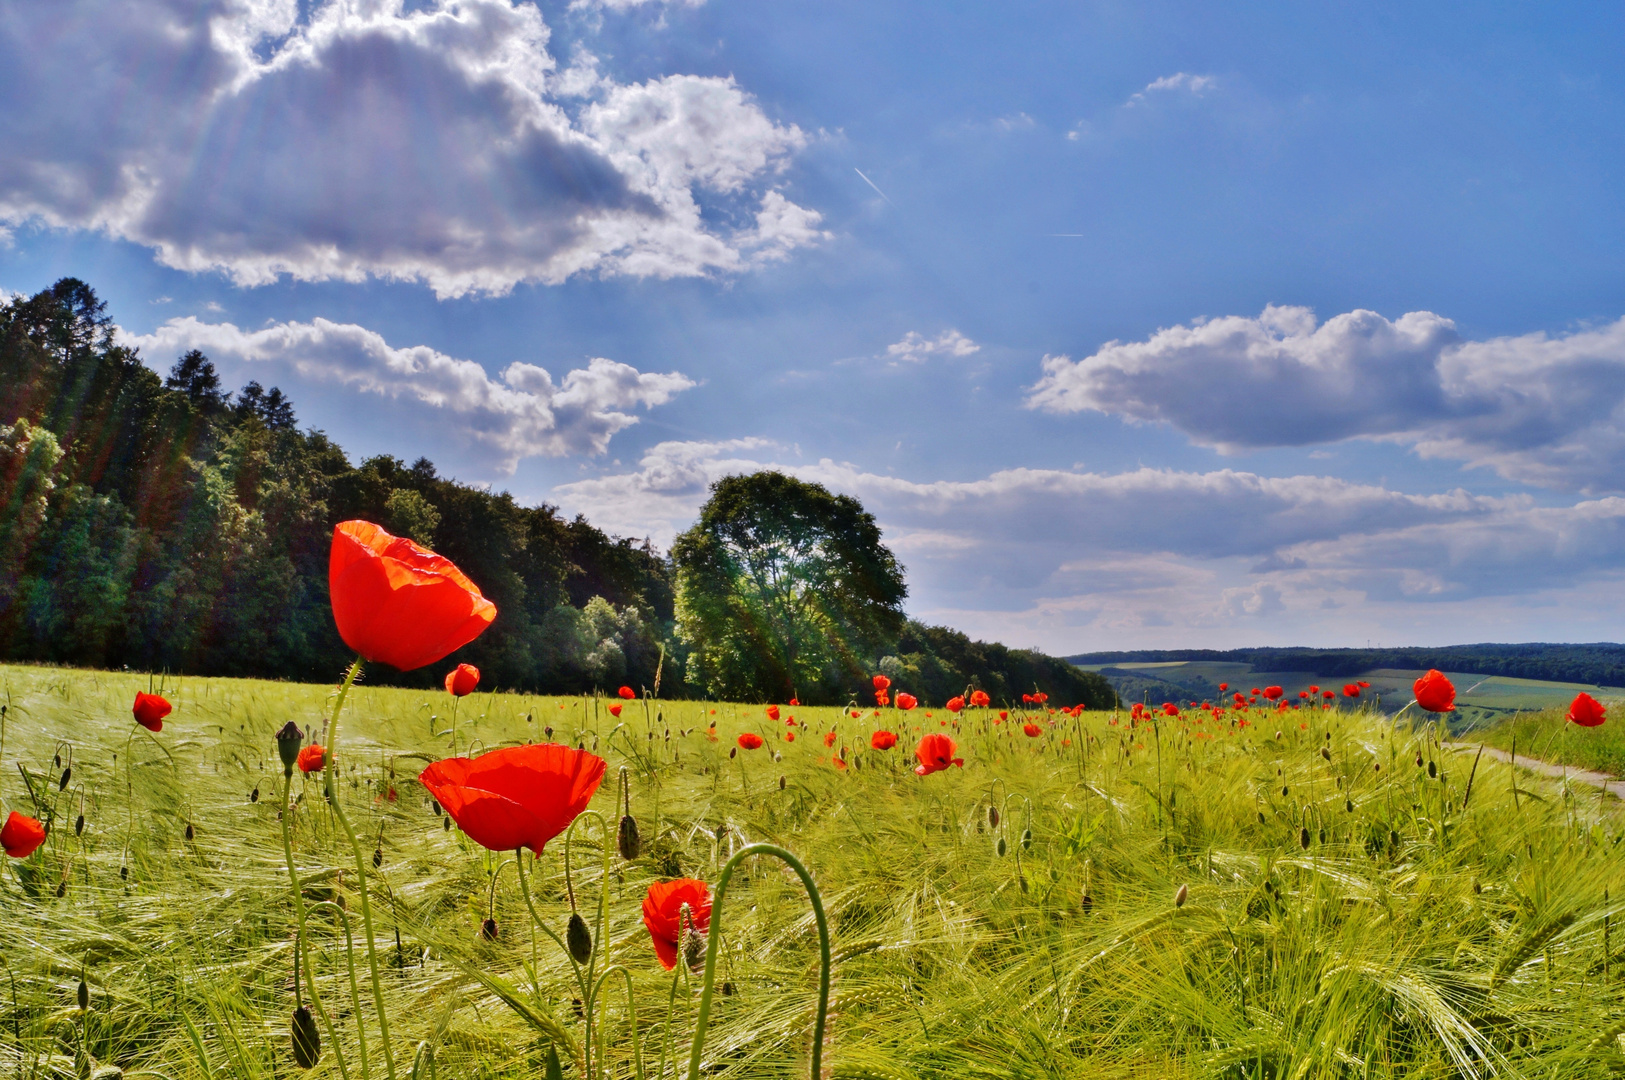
<point>254,796</point>
<point>307,1041</point>
<point>993,816</point>
<point>83,994</point>
<point>1325,753</point>
<point>999,847</point>
<point>1026,839</point>
<point>190,833</point>
<point>288,740</point>
<point>67,774</point>
<point>627,838</point>
<point>1303,838</point>
<point>377,857</point>
<point>1182,895</point>
<point>488,929</point>
<point>578,938</point>
<point>79,825</point>
<point>1433,770</point>
<point>694,949</point>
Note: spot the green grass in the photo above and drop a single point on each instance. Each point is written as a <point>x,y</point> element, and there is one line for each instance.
<point>1547,735</point>
<point>1416,938</point>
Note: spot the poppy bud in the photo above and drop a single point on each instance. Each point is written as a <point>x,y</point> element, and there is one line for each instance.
<point>627,838</point>
<point>124,873</point>
<point>694,949</point>
<point>488,929</point>
<point>377,857</point>
<point>1393,838</point>
<point>993,816</point>
<point>1325,753</point>
<point>1433,770</point>
<point>1261,817</point>
<point>1419,759</point>
<point>999,847</point>
<point>435,804</point>
<point>578,938</point>
<point>733,751</point>
<point>781,783</point>
<point>189,832</point>
<point>1086,902</point>
<point>67,774</point>
<point>56,760</point>
<point>79,825</point>
<point>1323,835</point>
<point>1477,888</point>
<point>1026,839</point>
<point>62,888</point>
<point>1182,895</point>
<point>1348,805</point>
<point>1284,790</point>
<point>83,994</point>
<point>288,740</point>
<point>446,824</point>
<point>254,796</point>
<point>307,1041</point>
<point>1303,838</point>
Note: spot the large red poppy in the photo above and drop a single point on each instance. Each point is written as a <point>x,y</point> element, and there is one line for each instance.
<point>750,741</point>
<point>1351,690</point>
<point>21,835</point>
<point>1031,730</point>
<point>627,692</point>
<point>519,796</point>
<point>1587,711</point>
<point>882,683</point>
<point>1271,692</point>
<point>1435,693</point>
<point>935,753</point>
<point>397,603</point>
<point>150,710</point>
<point>955,704</point>
<point>906,701</point>
<point>462,679</point>
<point>883,740</point>
<point>772,712</point>
<point>312,758</point>
<point>663,915</point>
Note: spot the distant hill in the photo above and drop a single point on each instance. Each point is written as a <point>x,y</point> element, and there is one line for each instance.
<point>1600,663</point>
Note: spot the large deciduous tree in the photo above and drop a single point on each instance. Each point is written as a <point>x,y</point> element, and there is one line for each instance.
<point>784,590</point>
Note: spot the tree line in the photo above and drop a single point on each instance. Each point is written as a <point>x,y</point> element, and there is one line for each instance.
<point>166,524</point>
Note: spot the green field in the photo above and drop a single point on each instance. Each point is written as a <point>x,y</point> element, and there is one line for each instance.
<point>1346,914</point>
<point>1480,699</point>
<point>1548,736</point>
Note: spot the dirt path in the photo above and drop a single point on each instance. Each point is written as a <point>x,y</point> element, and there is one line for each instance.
<point>1611,784</point>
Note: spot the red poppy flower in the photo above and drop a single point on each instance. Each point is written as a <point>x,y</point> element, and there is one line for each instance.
<point>462,679</point>
<point>21,835</point>
<point>1031,730</point>
<point>789,736</point>
<point>882,683</point>
<point>1238,699</point>
<point>935,753</point>
<point>772,712</point>
<point>1435,693</point>
<point>829,738</point>
<point>1587,711</point>
<point>615,709</point>
<point>1004,715</point>
<point>1170,709</point>
<point>397,603</point>
<point>980,699</point>
<point>1327,694</point>
<point>883,740</point>
<point>150,710</point>
<point>882,698</point>
<point>1272,692</point>
<point>906,701</point>
<point>627,692</point>
<point>1314,689</point>
<point>312,758</point>
<point>750,741</point>
<point>838,762</point>
<point>955,704</point>
<point>1351,690</point>
<point>663,915</point>
<point>1040,697</point>
<point>1363,685</point>
<point>1223,687</point>
<point>519,796</point>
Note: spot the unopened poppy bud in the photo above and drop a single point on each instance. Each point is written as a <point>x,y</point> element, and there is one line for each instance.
<point>1261,817</point>
<point>1477,888</point>
<point>733,751</point>
<point>83,994</point>
<point>377,857</point>
<point>1086,902</point>
<point>124,873</point>
<point>627,838</point>
<point>1303,838</point>
<point>189,831</point>
<point>488,929</point>
<point>1284,789</point>
<point>1419,759</point>
<point>993,816</point>
<point>1182,895</point>
<point>307,1041</point>
<point>1323,835</point>
<point>435,805</point>
<point>288,740</point>
<point>781,782</point>
<point>1433,770</point>
<point>62,888</point>
<point>79,825</point>
<point>1026,839</point>
<point>1325,753</point>
<point>578,938</point>
<point>67,774</point>
<point>446,824</point>
<point>1348,805</point>
<point>254,796</point>
<point>1393,838</point>
<point>694,950</point>
<point>999,847</point>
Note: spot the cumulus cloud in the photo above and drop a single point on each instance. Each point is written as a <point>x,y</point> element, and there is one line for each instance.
<point>1195,85</point>
<point>523,414</point>
<point>1078,559</point>
<point>1539,409</point>
<point>916,347</point>
<point>432,142</point>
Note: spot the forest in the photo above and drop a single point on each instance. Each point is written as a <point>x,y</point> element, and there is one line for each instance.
<point>167,524</point>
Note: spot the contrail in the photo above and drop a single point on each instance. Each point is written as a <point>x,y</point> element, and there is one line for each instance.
<point>872,184</point>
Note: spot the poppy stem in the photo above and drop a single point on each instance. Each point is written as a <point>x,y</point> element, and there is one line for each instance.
<point>714,933</point>
<point>631,1013</point>
<point>666,1050</point>
<point>360,866</point>
<point>536,920</point>
<point>299,931</point>
<point>355,987</point>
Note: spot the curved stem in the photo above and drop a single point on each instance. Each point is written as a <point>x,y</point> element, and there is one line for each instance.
<point>360,866</point>
<point>299,910</point>
<point>631,1012</point>
<point>714,933</point>
<point>355,987</point>
<point>671,1002</point>
<point>536,920</point>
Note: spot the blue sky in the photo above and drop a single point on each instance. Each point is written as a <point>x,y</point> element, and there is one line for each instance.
<point>1140,324</point>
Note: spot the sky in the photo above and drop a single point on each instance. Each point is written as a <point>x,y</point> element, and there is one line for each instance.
<point>1136,325</point>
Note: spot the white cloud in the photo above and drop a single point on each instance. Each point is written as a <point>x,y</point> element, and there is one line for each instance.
<point>1542,410</point>
<point>916,347</point>
<point>522,414</point>
<point>1195,85</point>
<point>373,137</point>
